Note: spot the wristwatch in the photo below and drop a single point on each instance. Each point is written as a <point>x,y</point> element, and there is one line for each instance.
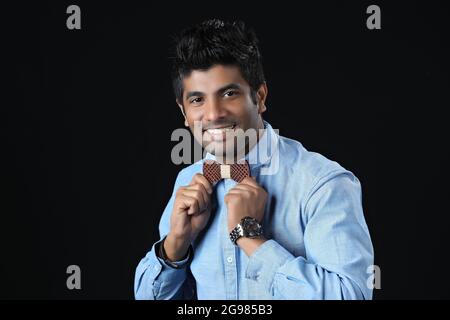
<point>248,227</point>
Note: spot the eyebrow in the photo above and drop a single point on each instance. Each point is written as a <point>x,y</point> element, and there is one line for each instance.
<point>219,91</point>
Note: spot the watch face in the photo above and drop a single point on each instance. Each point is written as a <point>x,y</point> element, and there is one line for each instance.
<point>251,228</point>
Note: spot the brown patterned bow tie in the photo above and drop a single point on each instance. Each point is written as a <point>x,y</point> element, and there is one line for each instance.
<point>214,171</point>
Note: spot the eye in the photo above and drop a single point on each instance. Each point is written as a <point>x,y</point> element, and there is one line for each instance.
<point>230,93</point>
<point>196,100</point>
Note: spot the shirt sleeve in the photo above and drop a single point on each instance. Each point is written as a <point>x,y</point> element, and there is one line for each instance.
<point>154,279</point>
<point>179,264</point>
<point>338,248</point>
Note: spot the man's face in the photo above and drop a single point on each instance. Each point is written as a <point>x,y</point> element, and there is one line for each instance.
<point>220,100</point>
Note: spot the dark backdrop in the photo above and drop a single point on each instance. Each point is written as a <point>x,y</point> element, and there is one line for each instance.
<point>87,119</point>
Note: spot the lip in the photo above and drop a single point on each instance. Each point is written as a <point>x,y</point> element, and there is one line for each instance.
<point>219,134</point>
<point>220,130</point>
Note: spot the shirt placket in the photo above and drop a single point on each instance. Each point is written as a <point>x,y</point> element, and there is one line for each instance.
<point>229,250</point>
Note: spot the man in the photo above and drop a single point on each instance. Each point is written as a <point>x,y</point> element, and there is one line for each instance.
<point>287,225</point>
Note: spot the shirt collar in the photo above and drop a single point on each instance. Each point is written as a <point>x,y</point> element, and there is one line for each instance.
<point>262,152</point>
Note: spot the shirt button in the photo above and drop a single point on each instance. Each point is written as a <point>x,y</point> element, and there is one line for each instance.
<point>230,259</point>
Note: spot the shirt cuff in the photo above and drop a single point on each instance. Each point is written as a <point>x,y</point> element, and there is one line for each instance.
<point>180,264</point>
<point>154,276</point>
<point>265,261</point>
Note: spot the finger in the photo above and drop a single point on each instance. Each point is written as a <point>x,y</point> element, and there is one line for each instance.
<point>200,197</point>
<point>199,178</point>
<point>197,208</point>
<point>201,188</point>
<point>239,191</point>
<point>251,181</point>
<point>232,196</point>
<point>245,187</point>
<point>196,195</point>
<point>187,204</point>
<point>193,205</point>
<point>183,201</point>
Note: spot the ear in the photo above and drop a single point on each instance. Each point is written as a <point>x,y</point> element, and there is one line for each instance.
<point>182,111</point>
<point>261,96</point>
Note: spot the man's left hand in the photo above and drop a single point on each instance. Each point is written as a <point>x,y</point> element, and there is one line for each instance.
<point>247,198</point>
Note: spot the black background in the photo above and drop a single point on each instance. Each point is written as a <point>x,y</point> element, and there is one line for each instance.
<point>87,119</point>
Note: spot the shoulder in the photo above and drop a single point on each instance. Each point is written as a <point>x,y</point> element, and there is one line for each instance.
<point>185,175</point>
<point>310,168</point>
<point>316,178</point>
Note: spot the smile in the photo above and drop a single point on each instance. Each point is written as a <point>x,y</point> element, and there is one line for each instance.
<point>219,131</point>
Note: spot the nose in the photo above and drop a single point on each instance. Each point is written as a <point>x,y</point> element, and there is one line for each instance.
<point>213,111</point>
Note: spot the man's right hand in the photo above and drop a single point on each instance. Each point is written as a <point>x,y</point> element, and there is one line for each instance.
<point>190,214</point>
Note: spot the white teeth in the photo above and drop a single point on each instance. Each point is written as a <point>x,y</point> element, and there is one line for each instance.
<point>220,131</point>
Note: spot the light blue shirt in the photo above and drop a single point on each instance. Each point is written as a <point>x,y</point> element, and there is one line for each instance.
<point>318,245</point>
